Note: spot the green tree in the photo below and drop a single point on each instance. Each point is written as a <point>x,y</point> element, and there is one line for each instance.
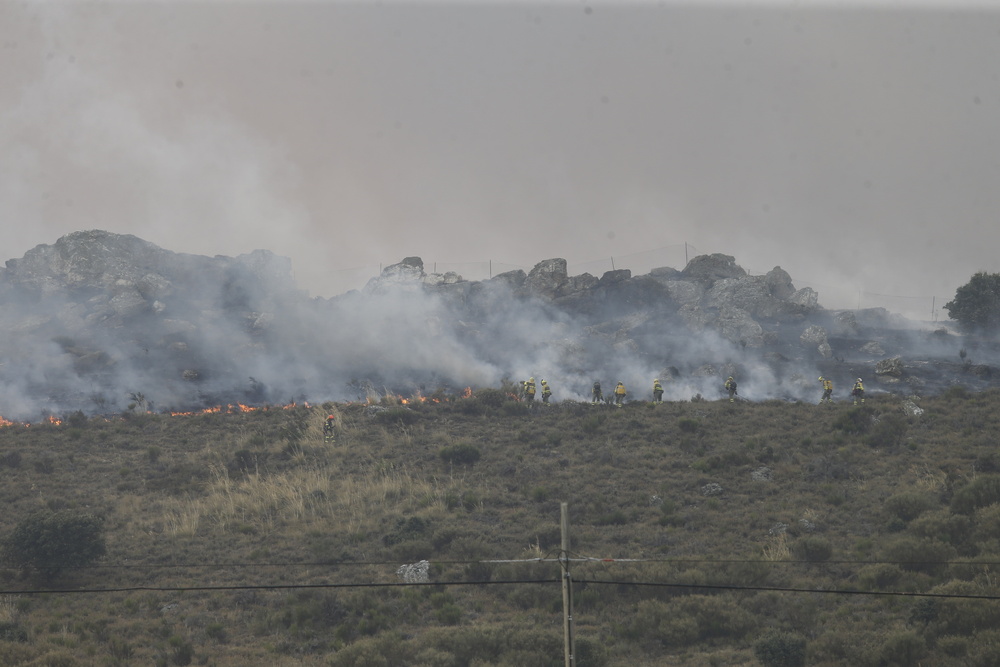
<point>51,541</point>
<point>976,305</point>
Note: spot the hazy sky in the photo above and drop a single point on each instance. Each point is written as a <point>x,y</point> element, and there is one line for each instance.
<point>856,145</point>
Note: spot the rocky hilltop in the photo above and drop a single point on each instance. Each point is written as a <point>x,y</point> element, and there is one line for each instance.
<point>99,322</point>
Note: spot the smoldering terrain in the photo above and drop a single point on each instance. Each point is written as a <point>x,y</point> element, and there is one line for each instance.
<point>97,322</point>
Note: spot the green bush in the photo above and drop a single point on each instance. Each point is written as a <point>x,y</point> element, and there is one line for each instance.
<point>688,425</point>
<point>904,649</point>
<point>492,398</point>
<point>908,505</point>
<point>461,454</point>
<point>397,415</point>
<point>780,649</point>
<point>12,632</point>
<point>918,555</point>
<point>981,492</point>
<point>812,548</point>
<point>880,576</point>
<point>857,421</point>
<point>889,432</point>
<point>55,540</point>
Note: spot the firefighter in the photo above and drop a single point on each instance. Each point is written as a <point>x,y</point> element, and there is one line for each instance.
<point>827,390</point>
<point>595,394</point>
<point>328,428</point>
<point>731,388</point>
<point>858,392</point>
<point>546,392</point>
<point>529,391</point>
<point>657,391</point>
<point>619,394</point>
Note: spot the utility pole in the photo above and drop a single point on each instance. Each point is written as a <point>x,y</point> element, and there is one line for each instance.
<point>567,588</point>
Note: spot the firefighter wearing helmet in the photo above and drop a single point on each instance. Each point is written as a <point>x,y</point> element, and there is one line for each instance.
<point>546,392</point>
<point>619,394</point>
<point>730,387</point>
<point>827,390</point>
<point>858,392</point>
<point>328,425</point>
<point>657,391</point>
<point>529,391</point>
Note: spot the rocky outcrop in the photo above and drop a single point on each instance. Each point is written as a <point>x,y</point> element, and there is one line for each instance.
<point>97,316</point>
<point>547,279</point>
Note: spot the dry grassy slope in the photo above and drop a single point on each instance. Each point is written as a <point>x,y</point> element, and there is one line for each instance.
<point>716,494</point>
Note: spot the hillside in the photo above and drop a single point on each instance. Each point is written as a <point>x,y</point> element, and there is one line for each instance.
<point>96,319</point>
<point>239,538</point>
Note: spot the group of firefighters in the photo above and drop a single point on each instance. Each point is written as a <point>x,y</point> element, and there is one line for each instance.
<point>857,391</point>
<point>528,391</point>
<point>618,394</point>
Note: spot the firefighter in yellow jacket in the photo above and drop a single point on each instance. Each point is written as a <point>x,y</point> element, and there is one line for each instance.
<point>827,390</point>
<point>529,391</point>
<point>546,392</point>
<point>619,394</point>
<point>858,392</point>
<point>731,388</point>
<point>657,391</point>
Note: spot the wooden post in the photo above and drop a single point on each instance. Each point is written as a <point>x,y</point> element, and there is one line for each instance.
<point>567,587</point>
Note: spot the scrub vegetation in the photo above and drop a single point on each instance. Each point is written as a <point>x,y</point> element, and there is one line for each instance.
<point>773,533</point>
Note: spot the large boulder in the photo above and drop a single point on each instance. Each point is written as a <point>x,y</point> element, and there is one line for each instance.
<point>408,274</point>
<point>709,268</point>
<point>548,278</point>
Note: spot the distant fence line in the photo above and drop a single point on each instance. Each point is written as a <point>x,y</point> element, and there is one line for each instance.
<point>675,256</point>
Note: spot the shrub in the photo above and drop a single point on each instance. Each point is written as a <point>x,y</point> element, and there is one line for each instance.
<point>856,421</point>
<point>780,649</point>
<point>56,540</point>
<point>11,631</point>
<point>688,425</point>
<point>812,548</point>
<point>461,454</point>
<point>982,492</point>
<point>942,525</point>
<point>880,576</point>
<point>889,432</point>
<point>903,649</point>
<point>492,398</point>
<point>918,555</point>
<point>908,505</point>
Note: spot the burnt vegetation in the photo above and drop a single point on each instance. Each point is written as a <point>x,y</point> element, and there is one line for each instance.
<point>771,533</point>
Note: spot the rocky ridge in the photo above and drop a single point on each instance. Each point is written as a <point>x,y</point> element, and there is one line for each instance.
<point>98,317</point>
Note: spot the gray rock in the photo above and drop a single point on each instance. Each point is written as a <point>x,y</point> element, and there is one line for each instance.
<point>548,278</point>
<point>873,348</point>
<point>709,268</point>
<point>581,283</point>
<point>617,276</point>
<point>813,335</point>
<point>513,279</point>
<point>892,367</point>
